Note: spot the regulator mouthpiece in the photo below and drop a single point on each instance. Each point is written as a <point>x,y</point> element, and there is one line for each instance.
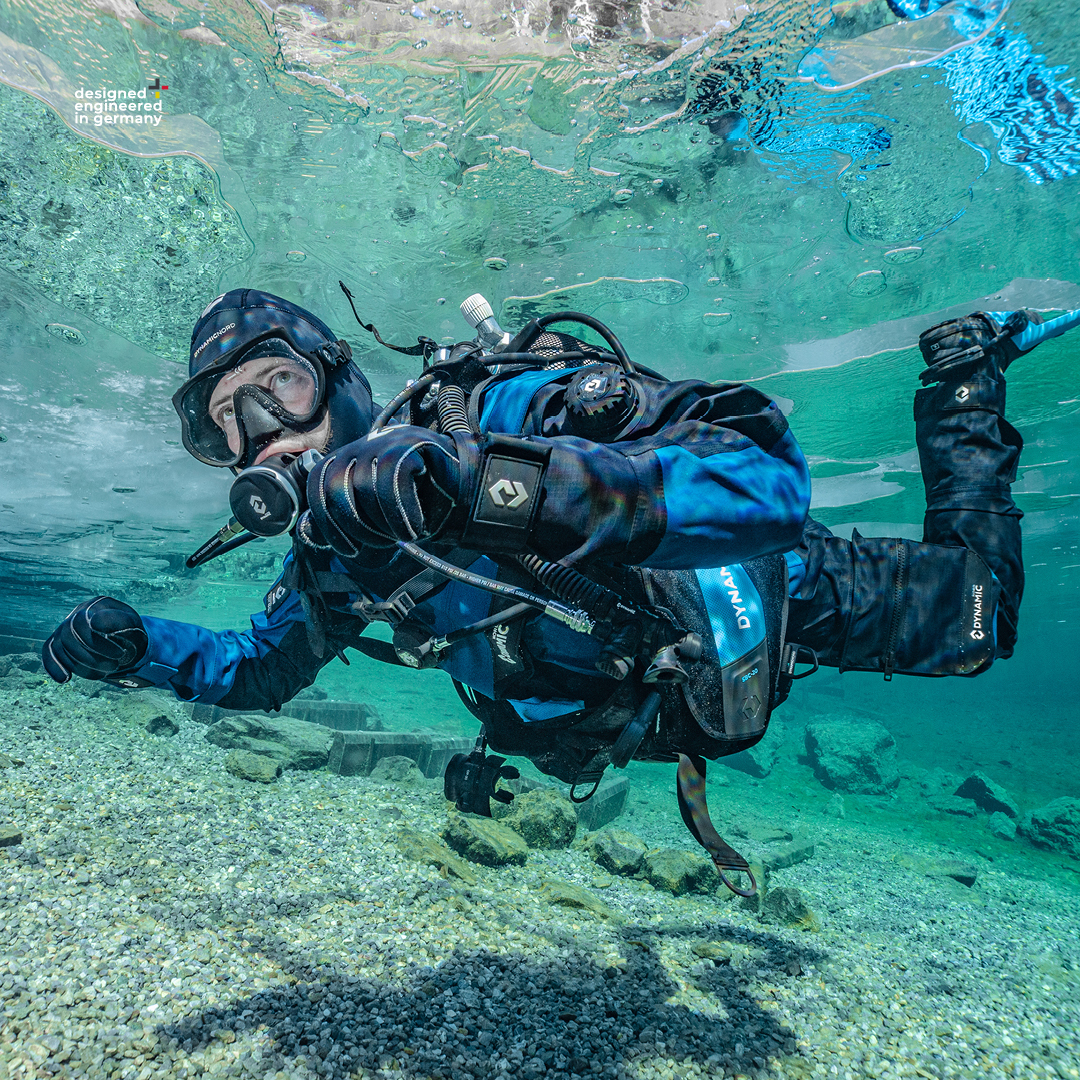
<point>266,499</point>
<point>476,311</point>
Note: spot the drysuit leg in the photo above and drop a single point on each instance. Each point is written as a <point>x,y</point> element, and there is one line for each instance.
<point>969,453</point>
<point>888,604</point>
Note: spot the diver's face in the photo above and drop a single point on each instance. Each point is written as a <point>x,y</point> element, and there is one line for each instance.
<point>290,383</point>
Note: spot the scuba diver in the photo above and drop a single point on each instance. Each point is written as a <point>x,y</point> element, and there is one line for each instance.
<point>609,565</point>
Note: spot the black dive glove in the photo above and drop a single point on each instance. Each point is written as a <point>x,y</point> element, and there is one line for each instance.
<point>99,638</point>
<point>401,483</point>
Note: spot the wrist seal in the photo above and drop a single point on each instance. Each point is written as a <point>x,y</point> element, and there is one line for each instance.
<point>503,508</point>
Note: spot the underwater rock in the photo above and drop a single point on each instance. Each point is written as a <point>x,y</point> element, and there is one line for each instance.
<point>834,807</point>
<point>162,725</point>
<point>617,851</point>
<point>421,847</point>
<point>926,866</point>
<point>719,952</point>
<point>787,907</point>
<point>606,805</point>
<point>247,765</point>
<point>13,663</point>
<point>9,836</point>
<point>789,855</point>
<point>557,891</point>
<point>853,755</point>
<point>1055,825</point>
<point>543,818</point>
<point>951,804</point>
<point>988,795</point>
<point>397,769</point>
<point>1002,826</point>
<point>760,759</point>
<point>294,743</point>
<point>482,840</point>
<point>680,872</point>
<point>142,709</point>
<point>8,762</point>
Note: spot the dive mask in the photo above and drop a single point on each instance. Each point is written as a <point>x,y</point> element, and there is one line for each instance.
<point>286,394</point>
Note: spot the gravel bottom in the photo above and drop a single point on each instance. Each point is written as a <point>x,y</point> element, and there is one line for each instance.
<point>163,919</point>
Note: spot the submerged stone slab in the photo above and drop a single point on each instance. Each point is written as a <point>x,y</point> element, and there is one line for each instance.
<point>789,855</point>
<point>952,804</point>
<point>337,715</point>
<point>927,866</point>
<point>355,753</point>
<point>606,805</point>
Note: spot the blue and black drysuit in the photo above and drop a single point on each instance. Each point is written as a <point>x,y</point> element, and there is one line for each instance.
<point>698,504</point>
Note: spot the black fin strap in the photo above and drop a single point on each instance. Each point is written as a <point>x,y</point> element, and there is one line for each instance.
<point>695,815</point>
<point>424,346</point>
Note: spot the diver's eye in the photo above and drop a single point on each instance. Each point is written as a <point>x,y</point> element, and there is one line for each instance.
<point>228,413</point>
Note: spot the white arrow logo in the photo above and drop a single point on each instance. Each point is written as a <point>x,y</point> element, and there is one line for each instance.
<point>508,487</point>
<point>963,393</point>
<point>259,507</point>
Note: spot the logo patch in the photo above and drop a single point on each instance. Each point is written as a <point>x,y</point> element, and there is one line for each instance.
<point>508,493</point>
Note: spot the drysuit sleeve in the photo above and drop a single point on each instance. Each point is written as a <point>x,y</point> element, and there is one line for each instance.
<point>705,475</point>
<point>260,668</point>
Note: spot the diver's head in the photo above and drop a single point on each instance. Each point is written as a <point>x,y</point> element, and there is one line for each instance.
<point>267,377</point>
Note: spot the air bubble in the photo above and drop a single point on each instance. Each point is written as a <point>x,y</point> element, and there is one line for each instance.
<point>716,318</point>
<point>868,283</point>
<point>622,196</point>
<point>495,262</point>
<point>68,333</point>
<point>903,255</point>
<point>295,256</point>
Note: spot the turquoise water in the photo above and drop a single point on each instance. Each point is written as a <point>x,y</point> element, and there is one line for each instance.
<point>782,192</point>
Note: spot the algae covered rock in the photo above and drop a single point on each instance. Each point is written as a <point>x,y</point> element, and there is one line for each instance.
<point>680,872</point>
<point>1002,826</point>
<point>143,708</point>
<point>421,847</point>
<point>543,818</point>
<point>989,795</point>
<point>787,907</point>
<point>484,840</point>
<point>296,744</point>
<point>397,769</point>
<point>163,725</point>
<point>563,893</point>
<point>247,765</point>
<point>853,755</point>
<point>617,851</point>
<point>1055,826</point>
